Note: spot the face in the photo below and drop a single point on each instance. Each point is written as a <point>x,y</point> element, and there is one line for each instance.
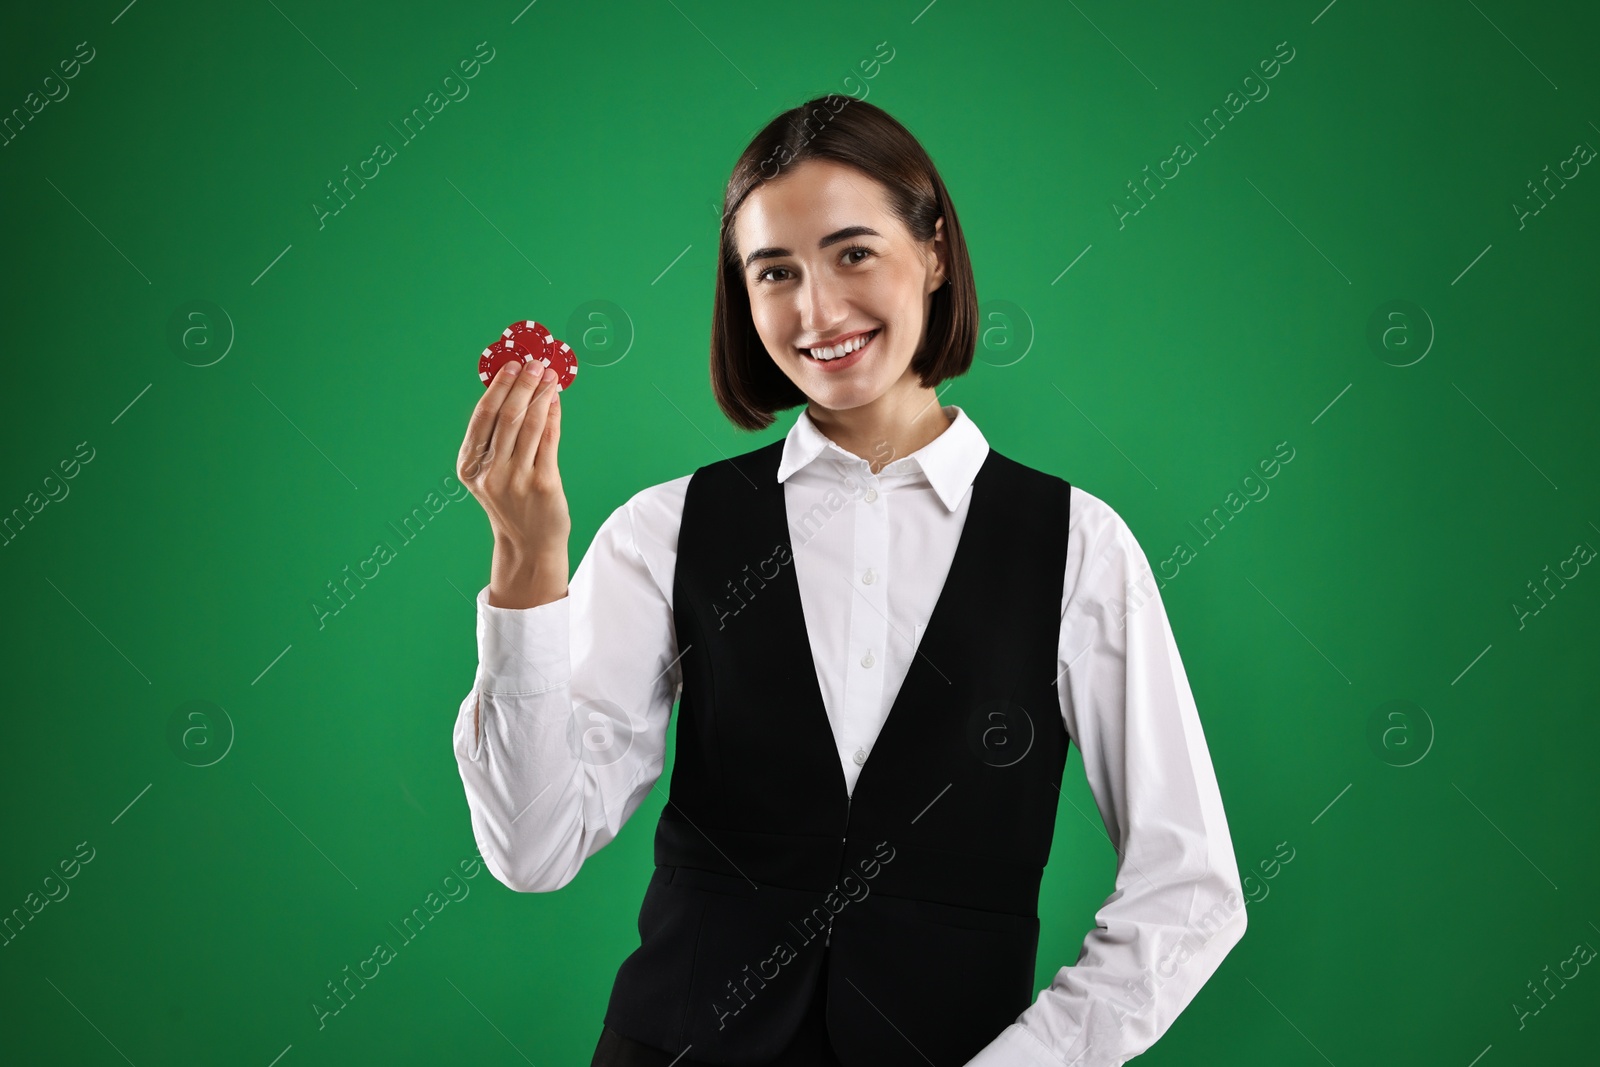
<point>826,262</point>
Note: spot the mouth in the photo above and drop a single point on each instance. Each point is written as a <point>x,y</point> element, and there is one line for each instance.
<point>835,359</point>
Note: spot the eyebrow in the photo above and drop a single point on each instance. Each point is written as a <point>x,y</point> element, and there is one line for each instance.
<point>833,238</point>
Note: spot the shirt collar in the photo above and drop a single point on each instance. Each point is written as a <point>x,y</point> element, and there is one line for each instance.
<point>949,462</point>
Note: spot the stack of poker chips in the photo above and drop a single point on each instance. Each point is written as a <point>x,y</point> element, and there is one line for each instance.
<point>528,342</point>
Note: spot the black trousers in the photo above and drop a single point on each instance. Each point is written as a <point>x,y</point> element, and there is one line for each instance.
<point>810,1047</point>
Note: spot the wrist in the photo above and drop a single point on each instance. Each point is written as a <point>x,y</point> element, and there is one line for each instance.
<point>520,578</point>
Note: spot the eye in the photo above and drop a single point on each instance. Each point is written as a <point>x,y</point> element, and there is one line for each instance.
<point>761,276</point>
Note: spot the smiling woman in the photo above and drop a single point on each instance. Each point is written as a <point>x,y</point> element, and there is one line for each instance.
<point>881,636</point>
<point>851,266</point>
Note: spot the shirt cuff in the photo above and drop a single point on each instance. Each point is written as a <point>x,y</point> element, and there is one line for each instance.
<point>522,651</point>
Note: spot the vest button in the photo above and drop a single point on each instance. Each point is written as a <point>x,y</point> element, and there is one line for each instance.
<point>869,577</point>
<point>860,756</point>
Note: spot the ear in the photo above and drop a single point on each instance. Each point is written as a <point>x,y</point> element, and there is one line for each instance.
<point>941,252</point>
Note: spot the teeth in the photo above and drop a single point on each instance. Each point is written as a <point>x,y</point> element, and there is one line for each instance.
<point>841,350</point>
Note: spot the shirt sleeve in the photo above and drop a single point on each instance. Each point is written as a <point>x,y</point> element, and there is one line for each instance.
<point>573,698</point>
<point>1178,905</point>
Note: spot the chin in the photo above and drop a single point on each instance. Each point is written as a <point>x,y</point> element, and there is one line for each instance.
<point>848,398</point>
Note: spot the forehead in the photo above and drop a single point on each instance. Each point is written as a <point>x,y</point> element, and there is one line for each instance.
<point>813,198</point>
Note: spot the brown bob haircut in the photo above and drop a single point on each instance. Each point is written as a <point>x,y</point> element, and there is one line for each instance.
<point>747,384</point>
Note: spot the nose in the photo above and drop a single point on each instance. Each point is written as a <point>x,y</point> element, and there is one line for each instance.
<point>822,304</point>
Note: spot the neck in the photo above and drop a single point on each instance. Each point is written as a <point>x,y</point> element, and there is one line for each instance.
<point>885,430</point>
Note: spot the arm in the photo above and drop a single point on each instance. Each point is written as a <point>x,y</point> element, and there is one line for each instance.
<point>564,731</point>
<point>1178,907</point>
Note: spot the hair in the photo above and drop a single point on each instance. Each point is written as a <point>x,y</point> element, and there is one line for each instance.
<point>747,384</point>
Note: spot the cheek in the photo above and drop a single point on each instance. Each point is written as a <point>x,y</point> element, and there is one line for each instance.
<point>879,282</point>
<point>773,324</point>
<point>891,294</point>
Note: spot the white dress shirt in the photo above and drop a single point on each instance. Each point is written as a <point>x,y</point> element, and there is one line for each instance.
<point>574,699</point>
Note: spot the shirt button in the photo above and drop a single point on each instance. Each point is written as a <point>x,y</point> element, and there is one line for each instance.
<point>867,660</point>
<point>860,756</point>
<point>870,495</point>
<point>869,577</point>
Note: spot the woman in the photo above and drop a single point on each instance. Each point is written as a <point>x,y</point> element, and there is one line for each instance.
<point>880,582</point>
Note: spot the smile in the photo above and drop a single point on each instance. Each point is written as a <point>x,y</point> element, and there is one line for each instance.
<point>840,356</point>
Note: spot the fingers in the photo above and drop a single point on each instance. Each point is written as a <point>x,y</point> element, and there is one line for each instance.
<point>545,462</point>
<point>479,446</point>
<point>513,411</point>
<point>531,430</point>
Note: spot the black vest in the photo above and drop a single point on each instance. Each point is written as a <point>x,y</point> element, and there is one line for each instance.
<point>924,886</point>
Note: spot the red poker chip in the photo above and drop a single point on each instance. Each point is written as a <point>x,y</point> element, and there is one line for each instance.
<point>563,360</point>
<point>527,335</point>
<point>496,356</point>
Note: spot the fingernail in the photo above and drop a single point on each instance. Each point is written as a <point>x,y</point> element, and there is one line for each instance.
<point>512,368</point>
<point>549,375</point>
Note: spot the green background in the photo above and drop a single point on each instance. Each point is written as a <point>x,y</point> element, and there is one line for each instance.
<point>586,165</point>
